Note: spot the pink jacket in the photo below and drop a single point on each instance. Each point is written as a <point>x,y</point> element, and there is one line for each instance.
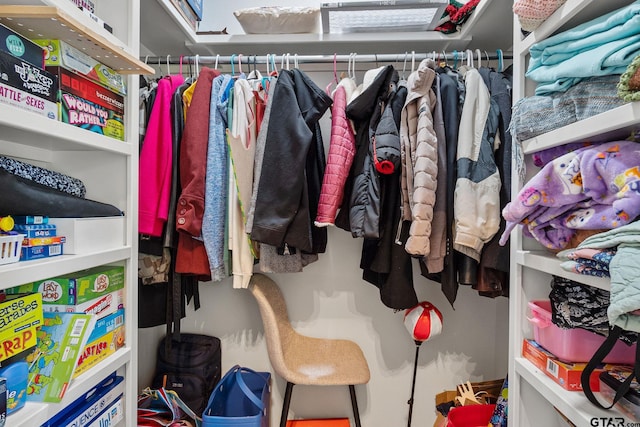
<point>156,160</point>
<point>342,149</point>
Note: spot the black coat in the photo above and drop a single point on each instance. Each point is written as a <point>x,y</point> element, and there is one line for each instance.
<point>292,167</point>
<point>371,204</point>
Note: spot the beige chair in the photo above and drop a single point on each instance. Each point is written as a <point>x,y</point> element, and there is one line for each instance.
<point>300,359</point>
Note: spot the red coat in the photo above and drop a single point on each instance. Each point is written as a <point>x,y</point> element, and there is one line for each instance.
<point>191,257</point>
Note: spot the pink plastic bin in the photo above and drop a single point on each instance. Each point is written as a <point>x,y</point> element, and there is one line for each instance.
<point>573,345</point>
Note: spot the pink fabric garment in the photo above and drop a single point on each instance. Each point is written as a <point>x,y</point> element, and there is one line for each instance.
<point>156,160</point>
<point>342,148</point>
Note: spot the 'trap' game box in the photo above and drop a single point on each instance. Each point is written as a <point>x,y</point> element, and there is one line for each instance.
<point>78,287</point>
<point>20,316</point>
<point>88,105</point>
<point>26,86</point>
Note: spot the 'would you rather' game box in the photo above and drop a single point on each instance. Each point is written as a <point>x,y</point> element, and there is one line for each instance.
<point>88,105</point>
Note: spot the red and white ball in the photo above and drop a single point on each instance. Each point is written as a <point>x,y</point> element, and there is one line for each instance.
<point>424,321</point>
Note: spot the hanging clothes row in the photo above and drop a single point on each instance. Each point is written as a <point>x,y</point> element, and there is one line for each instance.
<point>417,167</point>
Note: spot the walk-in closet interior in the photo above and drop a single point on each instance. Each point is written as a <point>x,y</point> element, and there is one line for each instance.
<point>329,298</point>
<point>402,168</point>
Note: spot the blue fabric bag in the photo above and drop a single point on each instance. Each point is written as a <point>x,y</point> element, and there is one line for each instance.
<point>241,398</point>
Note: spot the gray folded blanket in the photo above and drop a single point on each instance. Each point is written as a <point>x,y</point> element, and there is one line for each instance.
<point>536,115</point>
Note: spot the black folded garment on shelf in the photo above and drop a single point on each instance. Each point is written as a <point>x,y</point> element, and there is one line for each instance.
<point>20,196</point>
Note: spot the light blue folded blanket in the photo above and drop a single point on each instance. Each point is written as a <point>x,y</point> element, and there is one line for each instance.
<point>603,46</point>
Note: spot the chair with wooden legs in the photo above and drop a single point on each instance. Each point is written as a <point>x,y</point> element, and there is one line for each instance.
<point>301,359</point>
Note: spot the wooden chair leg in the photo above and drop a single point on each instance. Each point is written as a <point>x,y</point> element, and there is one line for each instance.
<point>285,404</point>
<point>354,404</point>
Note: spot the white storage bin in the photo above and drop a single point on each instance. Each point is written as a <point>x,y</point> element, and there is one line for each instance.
<point>87,235</point>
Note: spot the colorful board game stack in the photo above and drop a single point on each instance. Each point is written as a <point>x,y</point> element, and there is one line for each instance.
<point>98,291</point>
<point>41,239</point>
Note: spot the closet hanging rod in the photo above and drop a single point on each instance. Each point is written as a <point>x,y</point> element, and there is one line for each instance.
<point>322,59</point>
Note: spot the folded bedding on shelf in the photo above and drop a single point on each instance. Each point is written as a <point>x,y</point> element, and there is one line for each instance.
<point>536,115</point>
<point>603,46</point>
<point>596,187</point>
<point>625,273</point>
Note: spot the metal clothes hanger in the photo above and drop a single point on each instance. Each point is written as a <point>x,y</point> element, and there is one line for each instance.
<point>404,66</point>
<point>353,66</point>
<point>215,66</point>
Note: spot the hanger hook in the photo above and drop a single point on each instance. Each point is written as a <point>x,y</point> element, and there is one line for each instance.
<point>295,60</point>
<point>404,64</point>
<point>500,60</point>
<point>168,67</point>
<point>216,63</point>
<point>353,68</point>
<point>413,60</point>
<point>240,63</point>
<point>233,66</point>
<point>479,55</point>
<point>146,58</point>
<point>197,65</point>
